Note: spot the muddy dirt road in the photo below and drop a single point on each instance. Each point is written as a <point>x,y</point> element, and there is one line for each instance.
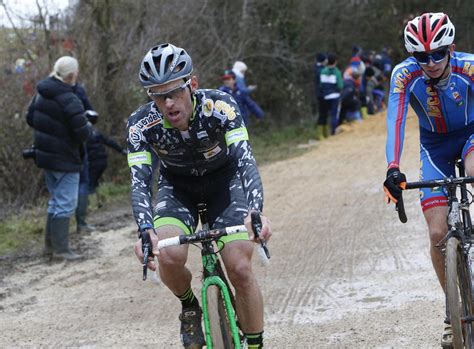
<point>344,272</point>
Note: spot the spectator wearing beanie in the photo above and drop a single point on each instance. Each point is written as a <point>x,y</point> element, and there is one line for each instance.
<point>246,104</point>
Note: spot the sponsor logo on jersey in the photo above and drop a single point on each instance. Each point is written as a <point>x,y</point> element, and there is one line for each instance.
<point>219,116</point>
<point>433,103</point>
<point>225,108</point>
<point>212,152</point>
<point>135,136</point>
<point>207,107</point>
<point>468,69</point>
<point>202,134</point>
<point>152,119</point>
<point>401,80</point>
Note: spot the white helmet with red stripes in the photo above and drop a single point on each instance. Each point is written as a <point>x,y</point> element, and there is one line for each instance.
<point>428,32</point>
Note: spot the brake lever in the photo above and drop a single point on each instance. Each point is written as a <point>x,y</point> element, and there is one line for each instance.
<point>257,228</point>
<point>146,247</point>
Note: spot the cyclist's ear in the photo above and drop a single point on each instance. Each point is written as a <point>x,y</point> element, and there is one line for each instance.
<point>194,83</point>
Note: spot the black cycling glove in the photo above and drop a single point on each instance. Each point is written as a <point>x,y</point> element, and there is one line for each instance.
<point>393,185</point>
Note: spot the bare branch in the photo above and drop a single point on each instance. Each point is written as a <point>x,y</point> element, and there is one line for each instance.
<point>17,32</point>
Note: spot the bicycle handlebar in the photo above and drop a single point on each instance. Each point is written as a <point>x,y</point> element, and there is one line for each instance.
<point>440,182</point>
<point>203,235</point>
<point>448,181</point>
<point>215,234</point>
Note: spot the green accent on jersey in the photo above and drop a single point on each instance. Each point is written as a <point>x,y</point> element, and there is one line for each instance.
<point>139,158</point>
<point>237,135</point>
<point>233,237</point>
<point>166,123</point>
<point>161,221</point>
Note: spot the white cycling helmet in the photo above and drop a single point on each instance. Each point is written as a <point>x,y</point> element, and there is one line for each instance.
<point>164,63</point>
<point>428,32</point>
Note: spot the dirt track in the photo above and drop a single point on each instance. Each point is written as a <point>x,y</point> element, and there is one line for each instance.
<point>344,272</point>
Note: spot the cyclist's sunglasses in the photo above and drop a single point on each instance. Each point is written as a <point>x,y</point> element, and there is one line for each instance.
<point>173,93</point>
<point>436,56</point>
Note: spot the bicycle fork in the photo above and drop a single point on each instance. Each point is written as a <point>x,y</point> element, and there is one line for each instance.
<point>212,278</point>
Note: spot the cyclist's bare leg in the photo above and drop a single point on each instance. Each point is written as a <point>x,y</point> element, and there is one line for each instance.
<point>438,228</point>
<point>469,164</point>
<point>237,257</point>
<point>172,260</point>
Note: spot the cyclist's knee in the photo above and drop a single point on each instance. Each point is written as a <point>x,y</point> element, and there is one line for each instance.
<point>173,257</point>
<point>437,234</point>
<point>240,273</point>
<point>469,164</point>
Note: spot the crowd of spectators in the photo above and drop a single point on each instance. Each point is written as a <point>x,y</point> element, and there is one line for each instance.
<point>353,94</point>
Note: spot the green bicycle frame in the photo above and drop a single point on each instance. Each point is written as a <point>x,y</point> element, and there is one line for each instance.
<point>211,278</point>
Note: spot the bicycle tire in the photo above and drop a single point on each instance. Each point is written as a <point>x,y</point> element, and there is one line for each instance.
<point>459,295</point>
<point>221,333</point>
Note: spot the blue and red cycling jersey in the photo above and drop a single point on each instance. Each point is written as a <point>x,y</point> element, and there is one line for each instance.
<point>439,110</point>
<point>446,118</point>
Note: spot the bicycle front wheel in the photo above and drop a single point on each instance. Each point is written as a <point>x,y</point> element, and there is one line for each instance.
<point>219,324</point>
<point>458,288</point>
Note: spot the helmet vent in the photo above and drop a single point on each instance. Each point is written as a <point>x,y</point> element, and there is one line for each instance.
<point>451,33</point>
<point>433,25</point>
<point>414,28</point>
<point>156,62</point>
<point>179,67</point>
<point>169,59</point>
<point>147,68</point>
<point>440,35</point>
<point>413,42</point>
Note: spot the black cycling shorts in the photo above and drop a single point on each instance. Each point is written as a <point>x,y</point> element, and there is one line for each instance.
<point>221,191</point>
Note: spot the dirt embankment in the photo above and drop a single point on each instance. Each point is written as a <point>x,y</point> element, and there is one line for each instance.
<point>344,272</point>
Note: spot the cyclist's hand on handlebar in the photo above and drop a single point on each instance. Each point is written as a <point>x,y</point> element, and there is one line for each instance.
<point>394,184</point>
<point>266,231</point>
<point>154,250</point>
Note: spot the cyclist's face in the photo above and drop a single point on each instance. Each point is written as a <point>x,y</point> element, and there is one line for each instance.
<point>175,102</point>
<point>435,68</point>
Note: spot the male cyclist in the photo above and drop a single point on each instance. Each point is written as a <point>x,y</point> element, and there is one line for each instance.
<point>438,82</point>
<point>205,156</point>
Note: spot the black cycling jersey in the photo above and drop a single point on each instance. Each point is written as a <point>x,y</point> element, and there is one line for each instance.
<point>216,139</point>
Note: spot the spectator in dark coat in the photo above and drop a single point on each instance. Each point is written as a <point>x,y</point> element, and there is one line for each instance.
<point>61,128</point>
<point>350,101</point>
<point>83,198</point>
<point>331,86</point>
<point>97,153</point>
<point>321,60</point>
<point>246,104</point>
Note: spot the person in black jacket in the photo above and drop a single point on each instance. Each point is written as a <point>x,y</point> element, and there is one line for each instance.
<point>83,195</point>
<point>97,154</point>
<point>60,130</point>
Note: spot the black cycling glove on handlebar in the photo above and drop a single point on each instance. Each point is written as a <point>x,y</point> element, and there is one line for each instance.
<point>393,184</point>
